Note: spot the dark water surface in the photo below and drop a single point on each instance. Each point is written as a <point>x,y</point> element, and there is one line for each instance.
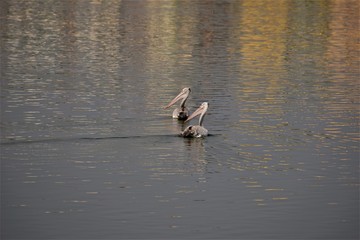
<point>87,152</point>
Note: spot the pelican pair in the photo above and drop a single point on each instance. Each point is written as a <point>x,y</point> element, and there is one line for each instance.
<point>182,113</point>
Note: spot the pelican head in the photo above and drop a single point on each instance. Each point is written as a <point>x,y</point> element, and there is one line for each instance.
<point>180,113</point>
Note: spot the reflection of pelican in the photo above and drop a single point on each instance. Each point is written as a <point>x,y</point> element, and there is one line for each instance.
<point>183,112</point>
<point>197,130</point>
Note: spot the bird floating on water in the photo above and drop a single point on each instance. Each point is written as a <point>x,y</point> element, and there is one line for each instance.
<point>197,130</point>
<point>181,113</point>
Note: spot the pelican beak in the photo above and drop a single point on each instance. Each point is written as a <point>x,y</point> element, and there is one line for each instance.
<point>182,94</point>
<point>198,111</point>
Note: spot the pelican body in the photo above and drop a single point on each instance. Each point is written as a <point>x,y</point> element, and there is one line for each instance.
<point>197,130</point>
<point>181,113</point>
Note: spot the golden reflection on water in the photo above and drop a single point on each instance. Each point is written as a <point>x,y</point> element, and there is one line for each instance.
<point>262,39</point>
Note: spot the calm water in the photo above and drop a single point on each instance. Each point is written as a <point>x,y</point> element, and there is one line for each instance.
<point>87,152</point>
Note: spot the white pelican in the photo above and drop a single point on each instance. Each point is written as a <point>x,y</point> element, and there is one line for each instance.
<point>181,113</point>
<point>197,130</point>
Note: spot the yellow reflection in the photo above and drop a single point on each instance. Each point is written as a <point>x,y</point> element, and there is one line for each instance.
<point>280,198</point>
<point>343,55</point>
<point>344,45</point>
<point>261,40</point>
<point>264,24</point>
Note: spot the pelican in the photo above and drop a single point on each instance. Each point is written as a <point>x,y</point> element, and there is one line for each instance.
<point>181,113</point>
<point>197,130</point>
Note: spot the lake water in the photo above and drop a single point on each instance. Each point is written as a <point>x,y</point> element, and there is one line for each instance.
<point>88,152</point>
